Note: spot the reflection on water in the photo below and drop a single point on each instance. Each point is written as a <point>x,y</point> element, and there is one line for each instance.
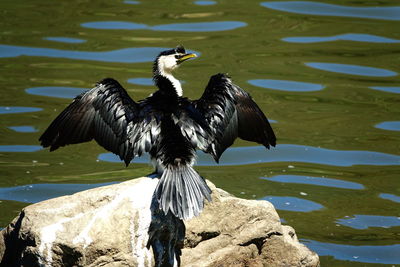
<point>391,197</point>
<point>205,3</point>
<point>316,8</point>
<point>8,110</point>
<point>369,254</point>
<point>366,221</point>
<point>19,148</point>
<point>33,193</point>
<point>180,27</point>
<point>55,91</point>
<point>329,182</point>
<point>389,125</point>
<point>352,69</point>
<point>284,153</point>
<point>23,129</point>
<point>141,81</point>
<point>127,55</point>
<point>287,85</point>
<point>390,89</point>
<point>357,37</point>
<point>65,40</point>
<point>293,204</point>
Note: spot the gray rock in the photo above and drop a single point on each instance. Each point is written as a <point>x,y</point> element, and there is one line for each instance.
<point>111,225</point>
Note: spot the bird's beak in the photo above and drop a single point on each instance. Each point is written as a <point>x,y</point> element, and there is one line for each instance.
<point>186,57</point>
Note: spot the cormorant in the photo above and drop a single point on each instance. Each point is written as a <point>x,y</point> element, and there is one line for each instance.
<point>167,125</point>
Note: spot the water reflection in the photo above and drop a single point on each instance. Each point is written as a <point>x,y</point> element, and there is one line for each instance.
<point>287,85</point>
<point>352,69</point>
<point>293,204</point>
<point>38,192</point>
<point>284,153</point>
<point>65,40</point>
<point>390,89</point>
<point>316,8</point>
<point>180,27</point>
<point>391,197</point>
<point>55,91</point>
<point>357,37</point>
<point>329,182</point>
<point>9,110</point>
<point>205,3</point>
<point>369,254</point>
<point>23,129</point>
<point>389,125</point>
<point>366,221</point>
<point>141,81</point>
<point>127,55</point>
<point>20,148</point>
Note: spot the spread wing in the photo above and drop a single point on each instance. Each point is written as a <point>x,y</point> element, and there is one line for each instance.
<point>231,112</point>
<point>108,115</point>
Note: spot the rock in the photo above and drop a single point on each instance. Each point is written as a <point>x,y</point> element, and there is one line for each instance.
<point>110,226</point>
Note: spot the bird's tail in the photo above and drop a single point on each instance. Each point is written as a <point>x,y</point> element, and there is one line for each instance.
<point>182,191</point>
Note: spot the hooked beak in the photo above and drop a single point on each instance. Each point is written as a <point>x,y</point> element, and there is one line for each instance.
<point>186,57</point>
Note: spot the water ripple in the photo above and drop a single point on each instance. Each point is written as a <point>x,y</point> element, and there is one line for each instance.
<point>366,221</point>
<point>352,69</point>
<point>204,3</point>
<point>20,148</point>
<point>55,91</point>
<point>390,89</point>
<point>329,182</point>
<point>389,125</point>
<point>391,197</point>
<point>180,27</point>
<point>316,8</point>
<point>369,254</point>
<point>23,129</point>
<point>287,85</point>
<point>141,81</point>
<point>357,37</point>
<point>131,2</point>
<point>126,55</point>
<point>293,204</point>
<point>9,110</point>
<point>65,40</point>
<point>284,153</point>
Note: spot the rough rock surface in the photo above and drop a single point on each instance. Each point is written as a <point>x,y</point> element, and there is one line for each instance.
<point>109,226</point>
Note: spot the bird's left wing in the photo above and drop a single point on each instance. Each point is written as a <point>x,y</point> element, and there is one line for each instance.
<point>108,115</point>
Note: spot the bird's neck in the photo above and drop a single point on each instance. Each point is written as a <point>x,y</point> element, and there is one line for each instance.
<point>167,82</point>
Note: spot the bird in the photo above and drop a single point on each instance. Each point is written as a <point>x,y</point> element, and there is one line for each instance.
<point>167,126</point>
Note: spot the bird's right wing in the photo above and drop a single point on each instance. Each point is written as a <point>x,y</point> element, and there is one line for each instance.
<point>231,112</point>
<point>108,115</point>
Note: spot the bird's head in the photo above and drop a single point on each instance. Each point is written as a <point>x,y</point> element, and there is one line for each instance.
<point>169,60</point>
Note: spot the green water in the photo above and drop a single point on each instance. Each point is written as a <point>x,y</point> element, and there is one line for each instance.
<point>250,45</point>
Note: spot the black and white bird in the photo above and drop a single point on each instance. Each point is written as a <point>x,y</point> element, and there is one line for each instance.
<point>166,125</point>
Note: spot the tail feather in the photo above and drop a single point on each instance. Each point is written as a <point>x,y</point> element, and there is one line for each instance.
<point>182,191</point>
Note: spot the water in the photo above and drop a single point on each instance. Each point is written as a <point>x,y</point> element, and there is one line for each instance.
<point>326,73</point>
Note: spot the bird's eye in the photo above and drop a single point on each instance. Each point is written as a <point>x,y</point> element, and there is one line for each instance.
<point>177,56</point>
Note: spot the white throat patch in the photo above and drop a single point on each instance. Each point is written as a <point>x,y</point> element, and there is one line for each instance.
<point>166,64</point>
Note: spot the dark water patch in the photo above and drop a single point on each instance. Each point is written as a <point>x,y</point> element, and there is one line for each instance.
<point>322,9</point>
<point>357,37</point>
<point>366,221</point>
<point>126,55</point>
<point>390,89</point>
<point>368,254</point>
<point>286,85</point>
<point>38,192</point>
<point>389,125</point>
<point>65,40</point>
<point>293,204</point>
<point>20,148</point>
<point>23,129</point>
<point>391,197</point>
<point>180,27</point>
<point>284,153</point>
<point>329,182</point>
<point>141,81</point>
<point>131,2</point>
<point>55,91</point>
<point>352,69</point>
<point>9,110</point>
<point>205,3</point>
